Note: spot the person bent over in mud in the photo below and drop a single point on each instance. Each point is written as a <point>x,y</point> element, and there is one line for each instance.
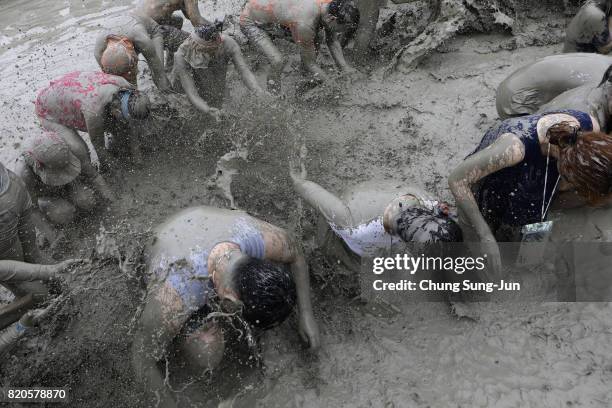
<point>511,179</point>
<point>200,68</point>
<point>92,102</point>
<point>525,90</point>
<point>156,16</point>
<point>117,52</point>
<point>374,216</point>
<point>58,182</point>
<point>15,273</point>
<point>589,30</point>
<point>302,19</point>
<point>591,98</point>
<point>204,256</point>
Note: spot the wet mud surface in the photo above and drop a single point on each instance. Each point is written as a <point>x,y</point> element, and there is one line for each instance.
<point>413,127</point>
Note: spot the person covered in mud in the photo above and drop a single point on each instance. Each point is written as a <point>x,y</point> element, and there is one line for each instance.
<point>589,30</point>
<point>528,88</point>
<point>301,20</point>
<point>200,68</point>
<point>164,27</point>
<point>201,259</point>
<point>117,52</point>
<point>59,182</point>
<point>92,102</point>
<point>512,177</point>
<point>375,215</point>
<point>591,98</point>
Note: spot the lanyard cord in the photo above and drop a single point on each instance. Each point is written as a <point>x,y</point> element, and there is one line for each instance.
<point>544,205</point>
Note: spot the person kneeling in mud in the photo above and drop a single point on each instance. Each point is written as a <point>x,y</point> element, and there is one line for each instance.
<point>117,52</point>
<point>92,102</point>
<point>204,256</point>
<point>589,30</point>
<point>302,19</point>
<point>200,68</point>
<point>592,98</point>
<point>528,88</point>
<point>375,216</point>
<point>59,185</point>
<point>17,273</point>
<point>510,180</point>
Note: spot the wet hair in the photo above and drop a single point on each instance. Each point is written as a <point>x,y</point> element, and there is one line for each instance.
<point>133,104</point>
<point>267,292</point>
<point>585,160</point>
<point>207,32</point>
<point>422,225</point>
<point>345,12</point>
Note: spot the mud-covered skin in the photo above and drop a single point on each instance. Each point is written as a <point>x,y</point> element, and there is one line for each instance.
<point>200,71</point>
<point>589,30</point>
<point>507,151</point>
<point>303,19</point>
<point>588,98</point>
<point>164,314</point>
<point>161,10</point>
<point>528,88</point>
<point>140,31</point>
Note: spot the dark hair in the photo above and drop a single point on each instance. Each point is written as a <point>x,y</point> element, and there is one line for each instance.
<point>422,225</point>
<point>208,31</point>
<point>585,160</point>
<point>345,11</point>
<point>606,76</point>
<point>267,292</point>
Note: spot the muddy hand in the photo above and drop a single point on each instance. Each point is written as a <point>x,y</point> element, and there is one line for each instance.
<point>216,114</point>
<point>309,331</point>
<point>34,317</point>
<point>67,265</point>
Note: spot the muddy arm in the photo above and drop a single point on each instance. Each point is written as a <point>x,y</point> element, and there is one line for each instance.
<point>15,271</point>
<point>191,90</point>
<point>95,128</point>
<point>99,48</point>
<point>146,46</point>
<point>336,50</point>
<point>159,324</point>
<point>192,12</point>
<point>280,247</point>
<point>233,49</point>
<point>507,151</point>
<point>330,206</point>
<point>27,236</point>
<point>304,37</point>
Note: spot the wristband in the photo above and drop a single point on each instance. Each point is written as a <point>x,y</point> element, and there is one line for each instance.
<point>20,327</point>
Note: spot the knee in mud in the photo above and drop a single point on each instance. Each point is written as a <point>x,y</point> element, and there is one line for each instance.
<point>58,211</point>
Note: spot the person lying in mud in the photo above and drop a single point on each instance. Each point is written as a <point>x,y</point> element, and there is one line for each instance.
<point>591,98</point>
<point>528,88</point>
<point>513,175</point>
<point>15,273</point>
<point>117,52</point>
<point>375,216</point>
<point>589,30</point>
<point>92,102</point>
<point>200,68</point>
<point>301,20</point>
<point>154,15</point>
<point>202,258</point>
<point>59,182</point>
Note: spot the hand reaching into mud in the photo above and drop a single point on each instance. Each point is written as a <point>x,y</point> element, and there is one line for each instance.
<point>297,168</point>
<point>34,317</point>
<point>67,265</point>
<point>309,331</point>
<point>216,114</point>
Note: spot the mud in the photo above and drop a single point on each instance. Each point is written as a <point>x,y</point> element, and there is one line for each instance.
<point>414,126</point>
